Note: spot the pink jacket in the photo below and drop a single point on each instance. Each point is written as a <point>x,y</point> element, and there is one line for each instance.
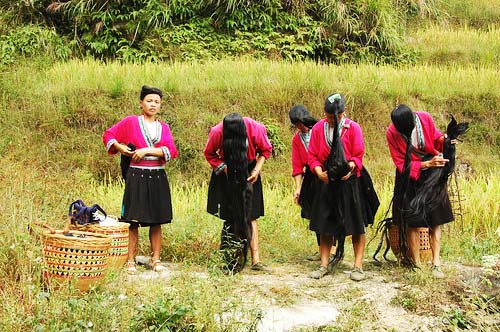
<point>299,155</point>
<point>131,130</point>
<point>258,143</point>
<point>397,145</point>
<point>352,140</point>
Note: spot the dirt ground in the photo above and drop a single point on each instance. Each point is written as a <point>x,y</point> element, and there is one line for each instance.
<point>289,300</point>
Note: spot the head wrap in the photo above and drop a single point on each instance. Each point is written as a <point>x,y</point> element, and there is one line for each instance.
<point>334,104</point>
<point>299,113</point>
<point>148,90</point>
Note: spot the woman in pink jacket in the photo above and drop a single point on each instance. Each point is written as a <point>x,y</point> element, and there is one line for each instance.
<point>339,206</point>
<point>304,179</point>
<point>415,145</point>
<point>236,150</point>
<point>149,145</point>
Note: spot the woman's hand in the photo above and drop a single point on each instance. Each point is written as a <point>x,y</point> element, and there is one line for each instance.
<point>296,195</point>
<point>254,175</point>
<point>139,154</point>
<point>322,175</point>
<point>123,149</point>
<point>436,161</point>
<point>352,166</point>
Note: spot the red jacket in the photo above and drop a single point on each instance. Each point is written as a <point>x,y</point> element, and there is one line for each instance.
<point>258,143</point>
<point>397,145</point>
<point>352,140</point>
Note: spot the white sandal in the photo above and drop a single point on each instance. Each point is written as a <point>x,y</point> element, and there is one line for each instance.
<point>131,269</point>
<point>157,267</point>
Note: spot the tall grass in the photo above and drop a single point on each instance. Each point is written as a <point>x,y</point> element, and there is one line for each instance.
<point>457,45</point>
<point>477,13</point>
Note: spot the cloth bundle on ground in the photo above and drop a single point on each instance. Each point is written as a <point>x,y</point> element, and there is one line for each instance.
<point>81,214</point>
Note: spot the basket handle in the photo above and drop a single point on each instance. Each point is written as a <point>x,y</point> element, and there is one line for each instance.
<point>42,225</point>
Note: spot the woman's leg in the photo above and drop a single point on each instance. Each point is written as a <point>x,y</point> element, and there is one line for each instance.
<point>155,239</point>
<point>358,244</point>
<point>435,239</point>
<point>254,243</point>
<point>133,240</point>
<point>325,245</point>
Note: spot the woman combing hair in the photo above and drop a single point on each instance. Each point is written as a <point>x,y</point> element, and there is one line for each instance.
<point>236,149</point>
<point>415,145</point>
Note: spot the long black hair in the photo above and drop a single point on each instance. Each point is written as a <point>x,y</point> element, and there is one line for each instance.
<point>403,119</point>
<point>237,231</point>
<point>336,164</point>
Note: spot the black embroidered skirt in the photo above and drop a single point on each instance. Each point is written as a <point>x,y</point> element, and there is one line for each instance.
<point>441,215</point>
<point>339,208</point>
<point>217,202</point>
<point>147,197</point>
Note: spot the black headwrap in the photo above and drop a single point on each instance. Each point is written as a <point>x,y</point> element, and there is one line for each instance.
<point>299,113</point>
<point>148,90</point>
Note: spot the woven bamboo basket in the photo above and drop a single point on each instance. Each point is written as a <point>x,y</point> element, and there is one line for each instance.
<point>424,243</point>
<point>118,252</point>
<point>79,257</point>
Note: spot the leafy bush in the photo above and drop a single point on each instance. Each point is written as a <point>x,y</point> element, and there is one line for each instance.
<point>30,41</point>
<point>162,316</point>
<point>143,30</point>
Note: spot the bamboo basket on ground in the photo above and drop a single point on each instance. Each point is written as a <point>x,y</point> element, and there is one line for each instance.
<point>118,252</point>
<point>75,256</point>
<point>423,239</point>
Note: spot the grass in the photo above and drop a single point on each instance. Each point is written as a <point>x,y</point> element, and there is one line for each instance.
<point>454,46</point>
<point>62,110</point>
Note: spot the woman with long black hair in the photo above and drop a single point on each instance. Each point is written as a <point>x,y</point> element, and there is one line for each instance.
<point>303,178</point>
<point>236,149</point>
<point>336,151</point>
<point>415,145</point>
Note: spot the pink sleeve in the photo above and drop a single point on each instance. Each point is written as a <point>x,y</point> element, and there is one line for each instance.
<point>262,144</point>
<point>314,147</point>
<point>117,133</point>
<point>397,148</point>
<point>167,144</point>
<point>297,165</point>
<point>357,146</point>
<point>212,147</point>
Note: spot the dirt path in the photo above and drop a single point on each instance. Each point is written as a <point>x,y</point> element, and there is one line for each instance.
<point>289,300</point>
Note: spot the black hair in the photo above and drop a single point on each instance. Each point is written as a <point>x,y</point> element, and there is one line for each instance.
<point>237,234</point>
<point>336,164</point>
<point>335,104</point>
<point>147,90</point>
<point>299,113</point>
<point>403,119</point>
<point>235,148</point>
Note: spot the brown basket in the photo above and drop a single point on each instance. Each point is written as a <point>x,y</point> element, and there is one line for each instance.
<point>79,257</point>
<point>424,243</point>
<point>118,252</point>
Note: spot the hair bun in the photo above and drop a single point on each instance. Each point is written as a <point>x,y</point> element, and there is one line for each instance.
<point>147,90</point>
